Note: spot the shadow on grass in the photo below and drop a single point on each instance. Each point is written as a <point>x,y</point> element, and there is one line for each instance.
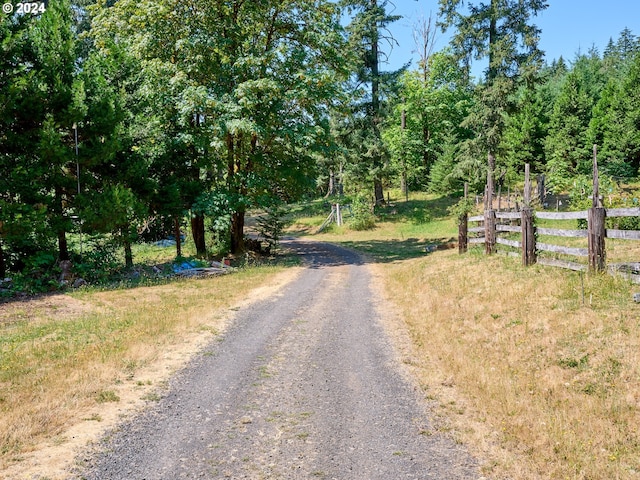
<point>416,211</point>
<point>387,251</point>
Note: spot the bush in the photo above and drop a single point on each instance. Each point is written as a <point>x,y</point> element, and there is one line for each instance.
<point>99,260</point>
<point>362,214</point>
<point>39,274</point>
<point>613,197</point>
<point>272,224</point>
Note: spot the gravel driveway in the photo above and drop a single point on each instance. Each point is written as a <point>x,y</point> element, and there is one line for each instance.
<point>302,386</point>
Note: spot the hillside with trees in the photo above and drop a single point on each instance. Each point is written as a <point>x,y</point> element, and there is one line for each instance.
<point>131,121</point>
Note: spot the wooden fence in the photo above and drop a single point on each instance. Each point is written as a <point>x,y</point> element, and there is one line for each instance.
<point>497,223</point>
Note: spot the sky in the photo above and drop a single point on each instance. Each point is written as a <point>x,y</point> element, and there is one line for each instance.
<point>568,27</point>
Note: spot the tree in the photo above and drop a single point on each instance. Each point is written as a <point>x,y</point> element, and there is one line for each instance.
<point>41,101</point>
<point>434,110</point>
<point>499,31</point>
<point>114,182</point>
<point>525,132</point>
<point>367,30</point>
<point>259,74</point>
<point>567,148</point>
<point>61,104</point>
<point>614,123</point>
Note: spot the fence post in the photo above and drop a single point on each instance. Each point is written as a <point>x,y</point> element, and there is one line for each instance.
<point>490,231</point>
<point>463,226</point>
<point>489,218</point>
<point>526,223</point>
<point>596,223</point>
<point>597,232</point>
<point>528,237</point>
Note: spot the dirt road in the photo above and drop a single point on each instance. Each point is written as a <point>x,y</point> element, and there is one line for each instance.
<point>304,385</point>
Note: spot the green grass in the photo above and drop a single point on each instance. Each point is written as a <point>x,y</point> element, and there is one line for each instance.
<point>403,229</point>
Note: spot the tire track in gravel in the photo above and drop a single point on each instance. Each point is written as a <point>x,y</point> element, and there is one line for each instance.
<point>303,385</point>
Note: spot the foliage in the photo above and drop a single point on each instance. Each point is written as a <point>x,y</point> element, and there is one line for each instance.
<point>363,217</point>
<point>272,224</point>
<point>463,207</point>
<point>612,195</point>
<point>40,274</point>
<point>567,147</point>
<point>502,33</point>
<point>434,103</point>
<point>99,261</point>
<point>370,88</point>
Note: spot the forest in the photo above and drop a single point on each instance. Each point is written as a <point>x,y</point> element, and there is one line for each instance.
<point>132,121</point>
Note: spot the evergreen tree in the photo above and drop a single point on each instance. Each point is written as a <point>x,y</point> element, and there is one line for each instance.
<point>567,148</point>
<point>114,182</point>
<point>366,34</point>
<point>499,31</point>
<point>41,101</point>
<point>525,132</point>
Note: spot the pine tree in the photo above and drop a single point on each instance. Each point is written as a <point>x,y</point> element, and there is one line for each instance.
<point>501,32</point>
<point>366,34</point>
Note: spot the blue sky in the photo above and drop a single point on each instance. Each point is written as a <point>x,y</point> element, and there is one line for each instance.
<point>568,26</point>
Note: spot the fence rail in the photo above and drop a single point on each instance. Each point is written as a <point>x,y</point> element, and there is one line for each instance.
<point>523,222</point>
<point>557,232</point>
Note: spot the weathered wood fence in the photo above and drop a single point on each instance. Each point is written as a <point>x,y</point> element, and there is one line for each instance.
<point>494,223</point>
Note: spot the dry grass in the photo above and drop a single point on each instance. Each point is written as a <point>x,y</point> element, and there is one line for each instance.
<point>538,369</point>
<point>61,356</point>
<point>543,385</point>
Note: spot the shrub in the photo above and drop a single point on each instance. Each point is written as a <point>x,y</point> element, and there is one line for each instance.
<point>362,214</point>
<point>272,224</point>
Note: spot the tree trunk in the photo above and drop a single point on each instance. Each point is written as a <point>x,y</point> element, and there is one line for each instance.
<point>128,254</point>
<point>375,102</point>
<point>331,190</point>
<point>63,247</point>
<point>426,136</point>
<point>197,231</point>
<point>404,188</point>
<point>176,232</point>
<point>491,166</point>
<point>493,40</point>
<point>237,232</point>
<point>379,193</point>
<point>3,266</point>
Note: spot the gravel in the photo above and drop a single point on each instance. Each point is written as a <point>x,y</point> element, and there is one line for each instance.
<point>303,385</point>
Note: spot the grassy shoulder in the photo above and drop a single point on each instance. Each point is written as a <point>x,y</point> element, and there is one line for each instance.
<point>65,358</point>
<point>538,369</point>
